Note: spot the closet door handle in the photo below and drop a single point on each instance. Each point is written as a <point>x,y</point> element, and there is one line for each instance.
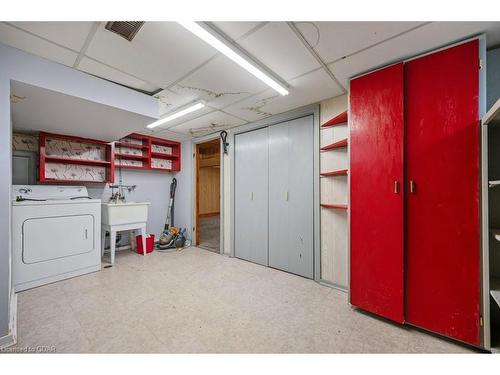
<point>396,187</point>
<point>251,196</point>
<point>286,196</point>
<point>412,186</point>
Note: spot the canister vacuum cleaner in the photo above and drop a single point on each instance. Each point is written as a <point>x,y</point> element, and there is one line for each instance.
<point>172,237</point>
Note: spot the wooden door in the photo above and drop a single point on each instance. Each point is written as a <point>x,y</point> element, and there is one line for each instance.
<point>443,204</point>
<point>376,200</point>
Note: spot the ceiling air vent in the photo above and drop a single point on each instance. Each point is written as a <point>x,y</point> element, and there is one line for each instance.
<point>126,29</point>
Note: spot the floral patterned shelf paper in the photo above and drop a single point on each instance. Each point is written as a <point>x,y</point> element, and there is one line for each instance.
<point>130,163</point>
<point>74,172</point>
<point>24,142</point>
<point>131,140</point>
<point>128,151</point>
<point>161,149</point>
<point>62,148</point>
<point>161,163</point>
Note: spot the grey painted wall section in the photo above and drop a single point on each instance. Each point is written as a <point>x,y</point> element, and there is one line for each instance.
<point>492,76</point>
<point>24,67</point>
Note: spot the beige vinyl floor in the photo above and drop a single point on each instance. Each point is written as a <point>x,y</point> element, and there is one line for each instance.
<point>196,301</point>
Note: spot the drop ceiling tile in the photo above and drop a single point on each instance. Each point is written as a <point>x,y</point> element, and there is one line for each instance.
<point>32,44</point>
<point>220,83</point>
<point>308,89</point>
<point>428,37</point>
<point>160,53</point>
<point>290,60</point>
<point>251,109</point>
<point>170,101</point>
<point>213,121</point>
<point>181,120</point>
<point>100,70</point>
<point>235,30</point>
<point>68,34</point>
<point>334,40</point>
<point>165,134</point>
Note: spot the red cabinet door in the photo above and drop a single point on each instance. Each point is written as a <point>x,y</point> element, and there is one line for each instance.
<point>376,199</point>
<point>443,209</point>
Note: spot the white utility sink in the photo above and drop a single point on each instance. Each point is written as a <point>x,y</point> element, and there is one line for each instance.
<point>124,213</point>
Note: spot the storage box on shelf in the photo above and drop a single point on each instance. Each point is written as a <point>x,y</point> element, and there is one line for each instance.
<point>71,159</point>
<point>137,151</point>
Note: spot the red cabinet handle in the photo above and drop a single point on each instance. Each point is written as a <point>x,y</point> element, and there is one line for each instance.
<point>396,187</point>
<point>412,186</point>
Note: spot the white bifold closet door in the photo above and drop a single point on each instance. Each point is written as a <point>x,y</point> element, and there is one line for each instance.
<point>251,196</point>
<point>291,158</point>
<point>273,182</point>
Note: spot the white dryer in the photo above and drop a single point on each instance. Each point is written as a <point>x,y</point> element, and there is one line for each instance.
<point>56,232</point>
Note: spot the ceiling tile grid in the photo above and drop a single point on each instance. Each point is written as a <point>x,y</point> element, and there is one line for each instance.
<point>160,53</point>
<point>71,35</point>
<point>334,40</point>
<point>423,39</point>
<point>213,121</point>
<point>236,30</point>
<point>219,83</point>
<point>165,55</point>
<point>277,47</point>
<point>101,70</point>
<point>21,40</point>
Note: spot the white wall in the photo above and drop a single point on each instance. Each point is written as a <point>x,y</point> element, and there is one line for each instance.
<point>24,67</point>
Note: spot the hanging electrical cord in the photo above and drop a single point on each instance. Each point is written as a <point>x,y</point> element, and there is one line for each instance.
<point>223,137</point>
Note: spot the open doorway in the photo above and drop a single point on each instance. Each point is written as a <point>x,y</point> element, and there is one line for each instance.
<point>208,195</point>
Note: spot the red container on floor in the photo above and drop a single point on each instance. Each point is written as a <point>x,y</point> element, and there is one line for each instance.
<point>150,243</point>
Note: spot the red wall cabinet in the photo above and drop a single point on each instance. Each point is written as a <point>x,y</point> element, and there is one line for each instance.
<point>138,151</point>
<point>427,274</point>
<point>69,159</point>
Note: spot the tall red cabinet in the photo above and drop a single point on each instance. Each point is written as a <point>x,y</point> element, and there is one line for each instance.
<point>376,200</point>
<point>415,193</point>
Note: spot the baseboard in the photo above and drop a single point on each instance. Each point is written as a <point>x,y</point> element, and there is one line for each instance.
<point>332,285</point>
<point>11,338</point>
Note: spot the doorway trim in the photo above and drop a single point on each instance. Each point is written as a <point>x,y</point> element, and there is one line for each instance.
<point>308,110</point>
<point>195,142</point>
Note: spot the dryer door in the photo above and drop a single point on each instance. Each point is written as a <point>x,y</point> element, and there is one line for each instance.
<point>48,238</point>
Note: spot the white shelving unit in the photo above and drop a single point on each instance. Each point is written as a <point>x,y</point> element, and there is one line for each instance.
<point>495,289</point>
<point>492,117</point>
<point>496,233</point>
<point>491,136</point>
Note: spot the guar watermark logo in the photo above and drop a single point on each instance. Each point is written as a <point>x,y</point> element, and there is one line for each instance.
<point>30,349</point>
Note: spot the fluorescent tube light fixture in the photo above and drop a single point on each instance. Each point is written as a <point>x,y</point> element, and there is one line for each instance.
<point>209,38</point>
<point>176,115</point>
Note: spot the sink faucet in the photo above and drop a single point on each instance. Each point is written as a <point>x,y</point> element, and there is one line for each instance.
<point>119,196</point>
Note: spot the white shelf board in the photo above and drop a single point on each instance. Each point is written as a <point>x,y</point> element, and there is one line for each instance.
<point>494,183</point>
<point>492,117</point>
<point>495,289</point>
<point>496,233</point>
